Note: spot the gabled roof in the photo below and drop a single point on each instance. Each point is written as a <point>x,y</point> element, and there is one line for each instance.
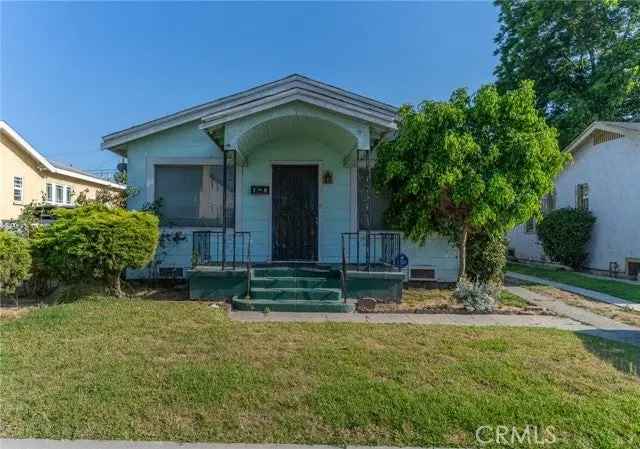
<point>50,166</point>
<point>622,128</point>
<point>292,88</point>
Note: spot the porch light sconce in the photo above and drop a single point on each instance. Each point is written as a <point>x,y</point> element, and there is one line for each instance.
<point>327,177</point>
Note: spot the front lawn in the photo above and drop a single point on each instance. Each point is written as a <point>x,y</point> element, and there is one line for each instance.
<point>619,289</point>
<point>156,370</point>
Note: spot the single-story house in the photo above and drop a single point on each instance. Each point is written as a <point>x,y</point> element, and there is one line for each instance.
<point>284,166</point>
<point>26,176</point>
<point>603,178</point>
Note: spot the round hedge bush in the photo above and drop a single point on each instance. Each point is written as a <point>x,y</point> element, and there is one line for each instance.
<point>96,243</point>
<point>564,234</point>
<point>15,261</point>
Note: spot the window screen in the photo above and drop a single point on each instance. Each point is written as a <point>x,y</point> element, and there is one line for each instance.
<point>377,206</point>
<point>191,195</point>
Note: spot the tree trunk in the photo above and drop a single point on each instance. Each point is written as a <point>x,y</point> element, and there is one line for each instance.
<point>115,284</point>
<point>462,252</point>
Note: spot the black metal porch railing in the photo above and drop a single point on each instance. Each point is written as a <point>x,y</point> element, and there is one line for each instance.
<point>229,251</point>
<point>371,251</point>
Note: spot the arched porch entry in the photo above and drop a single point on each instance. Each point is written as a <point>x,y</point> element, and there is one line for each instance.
<point>295,187</point>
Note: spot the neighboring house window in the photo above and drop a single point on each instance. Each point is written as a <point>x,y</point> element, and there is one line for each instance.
<point>190,195</point>
<point>59,194</point>
<point>50,192</point>
<point>18,188</point>
<point>582,196</point>
<point>68,194</point>
<point>378,204</point>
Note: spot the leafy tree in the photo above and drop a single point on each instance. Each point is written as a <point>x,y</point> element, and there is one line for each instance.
<point>486,258</point>
<point>15,261</point>
<point>467,165</point>
<point>584,57</point>
<point>565,233</point>
<point>96,242</point>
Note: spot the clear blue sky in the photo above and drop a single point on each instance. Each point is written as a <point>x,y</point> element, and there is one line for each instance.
<point>71,73</point>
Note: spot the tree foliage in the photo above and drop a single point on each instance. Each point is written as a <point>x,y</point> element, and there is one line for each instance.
<point>564,234</point>
<point>96,242</point>
<point>486,258</point>
<point>584,57</point>
<point>15,261</point>
<point>467,165</point>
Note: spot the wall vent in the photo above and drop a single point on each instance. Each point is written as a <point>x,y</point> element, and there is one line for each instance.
<point>422,274</point>
<point>170,272</point>
<point>601,136</point>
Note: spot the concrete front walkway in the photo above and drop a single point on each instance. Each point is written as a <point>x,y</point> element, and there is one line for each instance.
<point>601,326</point>
<point>602,297</point>
<point>95,444</point>
<point>415,318</point>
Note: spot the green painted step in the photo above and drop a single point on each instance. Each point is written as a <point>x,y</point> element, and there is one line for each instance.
<point>263,305</point>
<point>295,272</point>
<point>294,282</point>
<point>307,294</point>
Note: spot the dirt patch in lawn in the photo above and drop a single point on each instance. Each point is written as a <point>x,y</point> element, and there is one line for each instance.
<point>610,311</point>
<point>425,300</point>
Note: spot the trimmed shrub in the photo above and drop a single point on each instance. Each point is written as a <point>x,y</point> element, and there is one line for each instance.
<point>564,234</point>
<point>95,243</point>
<point>15,261</point>
<point>486,258</point>
<point>476,296</point>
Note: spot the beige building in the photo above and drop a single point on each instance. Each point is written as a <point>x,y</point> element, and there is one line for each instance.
<point>26,176</point>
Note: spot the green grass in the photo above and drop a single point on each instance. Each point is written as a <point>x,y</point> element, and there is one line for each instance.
<point>619,289</point>
<point>509,299</point>
<point>155,370</point>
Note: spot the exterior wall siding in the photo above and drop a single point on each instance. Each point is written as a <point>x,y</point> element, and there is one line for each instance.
<point>337,201</point>
<point>15,162</point>
<point>612,170</point>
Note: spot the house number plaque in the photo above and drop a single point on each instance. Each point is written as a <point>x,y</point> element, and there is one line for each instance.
<point>259,190</point>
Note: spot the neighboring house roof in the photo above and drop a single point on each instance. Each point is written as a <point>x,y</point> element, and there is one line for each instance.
<point>622,128</point>
<point>51,166</point>
<point>292,88</point>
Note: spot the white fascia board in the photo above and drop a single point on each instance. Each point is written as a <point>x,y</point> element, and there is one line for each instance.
<point>26,146</point>
<point>35,154</point>
<point>296,95</point>
<point>87,178</point>
<point>113,140</point>
<point>578,141</point>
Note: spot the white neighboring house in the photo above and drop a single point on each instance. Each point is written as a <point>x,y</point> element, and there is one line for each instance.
<point>603,177</point>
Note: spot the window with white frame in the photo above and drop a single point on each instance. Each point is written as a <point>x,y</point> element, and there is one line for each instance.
<point>549,202</point>
<point>59,194</point>
<point>49,192</point>
<point>582,196</point>
<point>68,194</point>
<point>18,188</point>
<point>190,195</point>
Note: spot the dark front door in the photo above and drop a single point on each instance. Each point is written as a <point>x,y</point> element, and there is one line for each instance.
<point>295,212</point>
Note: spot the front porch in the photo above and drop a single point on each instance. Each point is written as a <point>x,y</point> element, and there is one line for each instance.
<point>366,271</point>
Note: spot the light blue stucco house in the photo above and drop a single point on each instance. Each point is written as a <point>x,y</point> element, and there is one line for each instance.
<point>295,157</point>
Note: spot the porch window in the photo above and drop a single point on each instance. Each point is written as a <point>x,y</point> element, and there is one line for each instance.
<point>50,192</point>
<point>190,195</point>
<point>378,204</point>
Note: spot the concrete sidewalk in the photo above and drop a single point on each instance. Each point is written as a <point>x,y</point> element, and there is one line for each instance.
<point>554,322</point>
<point>602,297</point>
<point>601,326</point>
<point>96,444</point>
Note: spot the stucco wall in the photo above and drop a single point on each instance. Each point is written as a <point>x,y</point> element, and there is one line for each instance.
<point>612,170</point>
<point>16,162</point>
